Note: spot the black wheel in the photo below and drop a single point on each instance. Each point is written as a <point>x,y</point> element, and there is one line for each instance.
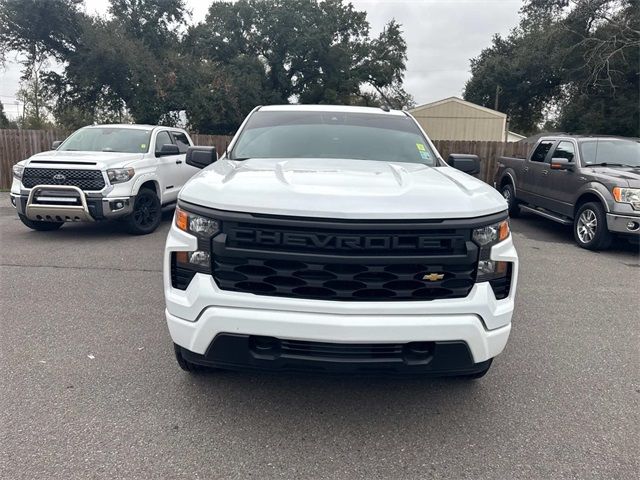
<point>185,365</point>
<point>481,373</point>
<point>39,225</point>
<point>146,214</point>
<point>510,196</point>
<point>590,227</point>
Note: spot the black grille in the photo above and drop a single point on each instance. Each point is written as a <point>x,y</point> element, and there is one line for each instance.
<point>83,179</point>
<point>343,281</point>
<point>351,351</point>
<point>345,260</point>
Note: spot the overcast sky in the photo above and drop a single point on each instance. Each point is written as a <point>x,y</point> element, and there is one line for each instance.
<point>441,36</point>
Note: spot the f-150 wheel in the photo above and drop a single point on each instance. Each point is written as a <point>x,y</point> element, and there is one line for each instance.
<point>146,214</point>
<point>38,225</point>
<point>510,196</point>
<point>590,227</point>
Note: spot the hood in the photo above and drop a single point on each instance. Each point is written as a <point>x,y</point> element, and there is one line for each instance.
<point>101,159</point>
<point>341,188</point>
<point>624,176</point>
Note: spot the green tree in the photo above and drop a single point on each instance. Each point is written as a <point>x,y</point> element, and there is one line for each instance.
<point>579,60</point>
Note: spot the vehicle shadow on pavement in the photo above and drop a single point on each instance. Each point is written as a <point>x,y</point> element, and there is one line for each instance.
<point>96,231</point>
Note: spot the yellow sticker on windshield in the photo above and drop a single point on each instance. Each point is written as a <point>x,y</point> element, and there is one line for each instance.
<point>420,147</point>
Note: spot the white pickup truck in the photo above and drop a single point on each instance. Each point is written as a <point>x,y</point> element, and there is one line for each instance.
<point>335,238</point>
<point>126,172</point>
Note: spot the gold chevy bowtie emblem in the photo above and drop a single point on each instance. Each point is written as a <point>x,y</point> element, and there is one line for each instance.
<point>433,277</point>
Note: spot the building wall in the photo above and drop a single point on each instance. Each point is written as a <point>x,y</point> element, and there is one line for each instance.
<point>453,120</point>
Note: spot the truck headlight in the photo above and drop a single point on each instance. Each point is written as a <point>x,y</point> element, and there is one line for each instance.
<point>184,265</point>
<point>627,195</point>
<point>196,224</point>
<point>491,234</point>
<point>120,175</point>
<point>486,237</point>
<point>18,170</point>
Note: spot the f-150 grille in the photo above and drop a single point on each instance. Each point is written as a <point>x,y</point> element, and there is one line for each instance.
<point>83,179</point>
<point>343,260</point>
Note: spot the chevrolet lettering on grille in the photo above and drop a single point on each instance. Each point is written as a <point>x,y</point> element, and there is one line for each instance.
<point>333,241</point>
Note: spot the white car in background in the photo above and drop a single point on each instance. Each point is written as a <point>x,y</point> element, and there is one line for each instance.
<point>126,172</point>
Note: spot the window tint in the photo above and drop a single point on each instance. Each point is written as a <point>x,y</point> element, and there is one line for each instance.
<point>540,153</point>
<point>163,138</point>
<point>181,140</point>
<point>565,150</point>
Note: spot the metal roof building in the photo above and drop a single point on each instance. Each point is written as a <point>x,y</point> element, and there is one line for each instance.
<point>457,119</point>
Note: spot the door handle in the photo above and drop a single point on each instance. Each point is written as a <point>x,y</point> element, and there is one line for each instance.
<point>178,162</point>
<point>525,169</point>
<point>545,172</point>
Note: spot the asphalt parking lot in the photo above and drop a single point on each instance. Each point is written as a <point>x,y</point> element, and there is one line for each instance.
<point>90,388</point>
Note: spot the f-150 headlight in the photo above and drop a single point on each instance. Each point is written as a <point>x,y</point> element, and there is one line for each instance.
<point>120,175</point>
<point>17,171</point>
<point>627,195</point>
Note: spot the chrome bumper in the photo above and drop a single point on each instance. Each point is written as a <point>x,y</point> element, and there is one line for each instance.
<point>627,224</point>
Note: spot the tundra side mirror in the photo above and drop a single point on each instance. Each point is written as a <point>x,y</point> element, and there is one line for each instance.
<point>465,163</point>
<point>168,149</point>
<point>56,144</point>
<point>201,157</point>
<point>561,164</point>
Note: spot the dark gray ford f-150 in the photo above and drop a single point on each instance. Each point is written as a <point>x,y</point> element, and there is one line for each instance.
<point>588,181</point>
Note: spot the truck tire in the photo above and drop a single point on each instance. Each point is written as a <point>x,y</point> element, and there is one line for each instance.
<point>590,227</point>
<point>510,196</point>
<point>146,215</point>
<point>38,225</point>
<point>185,365</point>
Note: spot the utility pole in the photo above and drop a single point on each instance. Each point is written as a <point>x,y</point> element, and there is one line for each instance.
<point>498,91</point>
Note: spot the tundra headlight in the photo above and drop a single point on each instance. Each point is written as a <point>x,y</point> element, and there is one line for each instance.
<point>120,175</point>
<point>627,195</point>
<point>17,171</point>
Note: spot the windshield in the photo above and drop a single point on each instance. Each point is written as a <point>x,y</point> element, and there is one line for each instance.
<point>108,139</point>
<point>611,151</point>
<point>362,136</point>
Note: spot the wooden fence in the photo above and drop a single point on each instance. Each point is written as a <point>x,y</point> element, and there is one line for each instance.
<point>16,145</point>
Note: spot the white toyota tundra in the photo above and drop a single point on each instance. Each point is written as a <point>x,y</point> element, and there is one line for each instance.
<point>103,172</point>
<point>332,238</point>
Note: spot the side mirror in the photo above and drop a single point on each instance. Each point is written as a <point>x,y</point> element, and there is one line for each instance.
<point>56,144</point>
<point>168,149</point>
<point>201,157</point>
<point>465,163</point>
<point>561,164</point>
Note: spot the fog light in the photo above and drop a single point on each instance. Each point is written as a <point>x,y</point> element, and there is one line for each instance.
<point>199,258</point>
<point>632,226</point>
<point>13,201</point>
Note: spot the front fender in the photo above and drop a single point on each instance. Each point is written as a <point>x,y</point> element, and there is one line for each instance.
<point>600,191</point>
